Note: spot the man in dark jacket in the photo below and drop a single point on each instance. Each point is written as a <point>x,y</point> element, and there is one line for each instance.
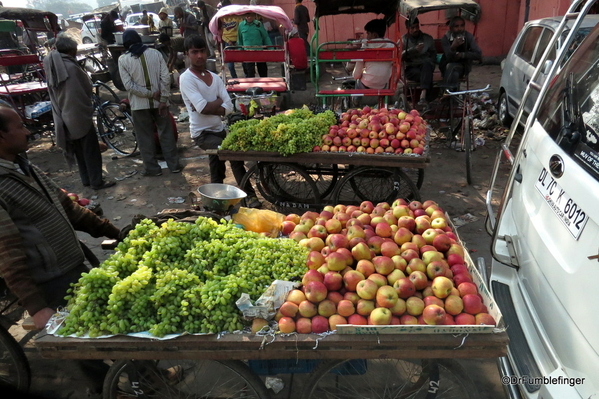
<point>41,254</point>
<point>301,18</point>
<point>418,57</point>
<point>459,50</point>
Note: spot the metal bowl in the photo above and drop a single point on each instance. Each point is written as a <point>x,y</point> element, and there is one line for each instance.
<point>217,197</point>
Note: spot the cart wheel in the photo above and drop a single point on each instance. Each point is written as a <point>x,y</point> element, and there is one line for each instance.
<point>252,177</point>
<point>182,379</point>
<point>105,93</point>
<point>390,378</point>
<point>289,185</point>
<point>416,175</point>
<point>374,184</point>
<point>325,177</point>
<point>14,366</point>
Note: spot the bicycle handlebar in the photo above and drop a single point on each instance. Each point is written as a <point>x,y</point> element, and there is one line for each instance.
<point>457,93</point>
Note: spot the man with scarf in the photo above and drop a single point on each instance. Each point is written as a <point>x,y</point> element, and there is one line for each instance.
<point>70,94</point>
<point>146,77</point>
<point>459,50</point>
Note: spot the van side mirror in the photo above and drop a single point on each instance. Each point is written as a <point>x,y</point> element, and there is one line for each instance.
<point>547,67</point>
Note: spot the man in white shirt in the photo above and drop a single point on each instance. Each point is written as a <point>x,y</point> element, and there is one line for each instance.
<point>374,75</point>
<point>207,100</point>
<point>146,78</point>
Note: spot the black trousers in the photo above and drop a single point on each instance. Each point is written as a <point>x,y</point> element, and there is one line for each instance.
<point>210,141</point>
<point>89,158</point>
<point>249,68</point>
<point>422,74</point>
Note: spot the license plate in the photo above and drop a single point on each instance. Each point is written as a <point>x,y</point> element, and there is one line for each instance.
<point>566,210</point>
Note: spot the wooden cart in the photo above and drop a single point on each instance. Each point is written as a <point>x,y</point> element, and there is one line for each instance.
<point>235,360</point>
<point>311,180</point>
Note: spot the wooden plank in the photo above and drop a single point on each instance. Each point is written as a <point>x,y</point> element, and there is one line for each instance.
<point>300,346</point>
<point>326,158</point>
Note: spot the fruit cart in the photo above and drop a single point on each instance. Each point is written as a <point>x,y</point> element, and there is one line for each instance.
<point>309,180</point>
<point>226,355</point>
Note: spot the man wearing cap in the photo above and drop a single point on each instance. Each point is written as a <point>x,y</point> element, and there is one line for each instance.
<point>165,25</point>
<point>145,76</point>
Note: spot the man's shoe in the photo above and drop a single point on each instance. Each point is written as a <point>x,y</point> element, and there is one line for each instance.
<point>178,169</point>
<point>254,202</point>
<point>146,173</point>
<point>104,184</point>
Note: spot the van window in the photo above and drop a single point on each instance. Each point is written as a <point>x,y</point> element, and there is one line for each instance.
<point>543,42</point>
<point>570,110</point>
<point>526,47</point>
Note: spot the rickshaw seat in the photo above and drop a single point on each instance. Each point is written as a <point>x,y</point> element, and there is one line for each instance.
<point>13,60</point>
<point>240,85</point>
<point>277,55</point>
<point>17,89</point>
<point>368,54</point>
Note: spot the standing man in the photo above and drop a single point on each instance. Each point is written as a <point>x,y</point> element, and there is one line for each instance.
<point>207,101</point>
<point>251,32</point>
<point>40,253</point>
<point>70,93</point>
<point>108,27</point>
<point>228,25</point>
<point>301,18</point>
<point>459,49</point>
<point>146,78</point>
<point>418,57</point>
<point>206,14</point>
<point>188,24</point>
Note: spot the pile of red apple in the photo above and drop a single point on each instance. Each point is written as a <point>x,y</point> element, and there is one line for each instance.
<point>375,131</point>
<point>380,265</point>
<point>75,198</point>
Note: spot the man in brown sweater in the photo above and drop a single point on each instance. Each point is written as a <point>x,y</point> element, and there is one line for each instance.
<point>40,254</point>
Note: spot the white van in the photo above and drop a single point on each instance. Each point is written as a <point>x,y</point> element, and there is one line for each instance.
<point>545,246</point>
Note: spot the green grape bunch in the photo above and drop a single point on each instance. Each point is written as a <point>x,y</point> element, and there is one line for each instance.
<point>287,133</point>
<point>179,277</point>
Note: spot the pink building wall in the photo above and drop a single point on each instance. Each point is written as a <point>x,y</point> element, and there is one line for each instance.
<point>500,21</point>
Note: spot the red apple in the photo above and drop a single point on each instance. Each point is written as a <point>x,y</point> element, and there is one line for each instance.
<point>433,315</point>
<point>315,291</point>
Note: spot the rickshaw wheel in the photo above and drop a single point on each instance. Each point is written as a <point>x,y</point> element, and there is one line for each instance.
<point>182,379</point>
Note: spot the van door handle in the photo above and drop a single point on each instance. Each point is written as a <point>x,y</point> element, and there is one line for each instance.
<point>518,175</point>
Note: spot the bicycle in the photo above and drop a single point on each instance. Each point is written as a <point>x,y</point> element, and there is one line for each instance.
<point>462,133</point>
<point>114,125</point>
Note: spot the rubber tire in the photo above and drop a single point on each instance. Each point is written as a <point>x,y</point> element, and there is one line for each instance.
<point>448,367</point>
<point>110,141</point>
<point>503,113</point>
<point>279,194</point>
<point>411,193</point>
<point>13,351</point>
<point>237,367</point>
<point>105,93</point>
<point>468,148</point>
<point>87,40</point>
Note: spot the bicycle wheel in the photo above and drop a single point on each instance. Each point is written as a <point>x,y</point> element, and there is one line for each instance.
<point>374,184</point>
<point>115,128</point>
<point>14,366</point>
<point>105,93</point>
<point>182,379</point>
<point>390,378</point>
<point>468,146</point>
<point>92,65</point>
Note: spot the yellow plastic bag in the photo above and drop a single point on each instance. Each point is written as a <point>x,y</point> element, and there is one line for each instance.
<point>259,220</point>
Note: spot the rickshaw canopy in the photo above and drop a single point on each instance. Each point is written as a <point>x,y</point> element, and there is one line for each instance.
<point>336,7</point>
<point>410,9</point>
<point>33,20</point>
<point>275,13</point>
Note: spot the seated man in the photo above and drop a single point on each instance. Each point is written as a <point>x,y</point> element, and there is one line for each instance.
<point>459,49</point>
<point>374,75</point>
<point>297,51</point>
<point>419,57</point>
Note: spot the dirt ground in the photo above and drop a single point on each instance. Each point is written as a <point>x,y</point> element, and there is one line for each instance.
<point>444,182</point>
